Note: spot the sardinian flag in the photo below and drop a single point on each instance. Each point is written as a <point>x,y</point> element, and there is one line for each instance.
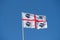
<point>33,21</point>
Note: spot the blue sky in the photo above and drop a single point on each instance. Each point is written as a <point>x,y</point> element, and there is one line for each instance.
<point>11,23</point>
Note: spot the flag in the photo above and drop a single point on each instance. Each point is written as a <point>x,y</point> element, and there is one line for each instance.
<point>33,21</point>
<point>27,20</point>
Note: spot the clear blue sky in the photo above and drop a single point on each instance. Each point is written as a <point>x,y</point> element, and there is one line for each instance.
<point>10,19</point>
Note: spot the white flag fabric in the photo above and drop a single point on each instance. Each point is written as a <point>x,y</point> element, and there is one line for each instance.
<point>28,24</point>
<point>40,17</point>
<point>41,25</point>
<point>27,20</point>
<point>27,16</point>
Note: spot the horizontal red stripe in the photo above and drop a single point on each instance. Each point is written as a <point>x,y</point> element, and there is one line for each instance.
<point>40,21</point>
<point>34,20</point>
<point>28,19</point>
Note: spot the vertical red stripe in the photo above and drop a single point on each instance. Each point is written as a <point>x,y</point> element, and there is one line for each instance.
<point>35,20</point>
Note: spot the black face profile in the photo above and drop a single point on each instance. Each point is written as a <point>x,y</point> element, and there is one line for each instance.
<point>40,17</point>
<point>41,24</point>
<point>27,15</point>
<point>28,23</point>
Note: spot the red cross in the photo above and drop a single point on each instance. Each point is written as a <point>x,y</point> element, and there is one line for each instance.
<point>34,20</point>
